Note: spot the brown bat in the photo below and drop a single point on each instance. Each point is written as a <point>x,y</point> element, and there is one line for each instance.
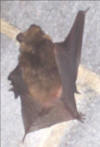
<point>46,74</point>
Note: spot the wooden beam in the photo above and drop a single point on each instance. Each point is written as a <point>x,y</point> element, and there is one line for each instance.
<point>8,30</point>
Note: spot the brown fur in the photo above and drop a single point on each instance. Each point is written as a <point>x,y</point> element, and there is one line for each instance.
<point>38,65</point>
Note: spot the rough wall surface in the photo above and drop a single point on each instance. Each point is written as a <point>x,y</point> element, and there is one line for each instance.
<point>56,18</point>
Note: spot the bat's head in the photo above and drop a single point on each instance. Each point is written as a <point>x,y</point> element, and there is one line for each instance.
<point>32,37</point>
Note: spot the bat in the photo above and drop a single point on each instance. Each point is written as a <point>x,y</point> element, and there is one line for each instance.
<point>46,74</point>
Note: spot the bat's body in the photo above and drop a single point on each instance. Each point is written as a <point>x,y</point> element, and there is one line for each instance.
<point>47,72</point>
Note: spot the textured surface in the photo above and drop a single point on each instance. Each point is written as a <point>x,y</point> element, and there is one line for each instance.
<point>56,19</point>
<point>88,133</point>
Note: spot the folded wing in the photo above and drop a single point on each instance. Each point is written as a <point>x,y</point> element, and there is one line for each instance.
<point>68,55</point>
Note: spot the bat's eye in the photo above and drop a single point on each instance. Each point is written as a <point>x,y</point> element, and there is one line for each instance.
<point>20,37</point>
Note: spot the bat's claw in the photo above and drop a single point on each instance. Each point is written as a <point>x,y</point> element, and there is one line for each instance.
<point>81,117</point>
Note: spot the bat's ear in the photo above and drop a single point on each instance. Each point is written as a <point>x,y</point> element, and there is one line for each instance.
<point>20,37</point>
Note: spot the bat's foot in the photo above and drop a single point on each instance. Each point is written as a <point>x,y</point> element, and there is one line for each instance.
<point>81,117</point>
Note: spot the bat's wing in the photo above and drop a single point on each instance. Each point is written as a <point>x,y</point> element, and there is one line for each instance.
<point>32,113</point>
<point>34,116</point>
<point>68,57</point>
